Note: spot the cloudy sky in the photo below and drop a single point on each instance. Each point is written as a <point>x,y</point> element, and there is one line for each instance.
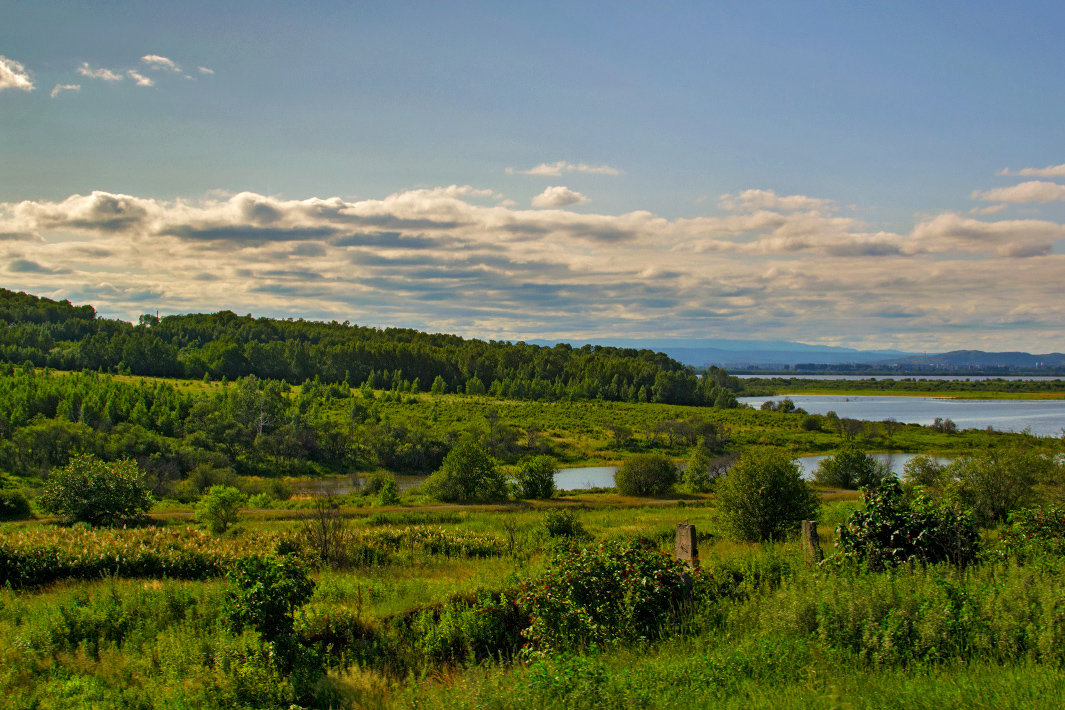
<point>865,174</point>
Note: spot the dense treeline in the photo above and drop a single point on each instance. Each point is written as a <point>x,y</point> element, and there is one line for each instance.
<point>59,335</point>
<point>766,386</point>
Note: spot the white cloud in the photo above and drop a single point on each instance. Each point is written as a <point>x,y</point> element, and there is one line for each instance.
<point>139,78</point>
<point>1030,191</point>
<point>14,76</point>
<point>562,166</point>
<point>59,88</point>
<point>456,258</point>
<point>101,73</point>
<point>157,62</point>
<point>558,196</point>
<point>1049,171</point>
<point>205,70</point>
<point>769,200</point>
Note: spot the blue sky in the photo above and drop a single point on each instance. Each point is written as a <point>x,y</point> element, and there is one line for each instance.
<point>835,173</point>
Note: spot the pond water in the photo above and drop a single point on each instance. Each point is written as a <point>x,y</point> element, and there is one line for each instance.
<point>1042,417</point>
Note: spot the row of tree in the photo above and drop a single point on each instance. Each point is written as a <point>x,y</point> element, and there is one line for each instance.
<point>59,335</point>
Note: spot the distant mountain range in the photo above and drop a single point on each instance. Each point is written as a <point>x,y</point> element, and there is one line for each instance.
<point>781,355</point>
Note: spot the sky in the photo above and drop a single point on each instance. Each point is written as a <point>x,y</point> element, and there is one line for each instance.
<point>869,175</point>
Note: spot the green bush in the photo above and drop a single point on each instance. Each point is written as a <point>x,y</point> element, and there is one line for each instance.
<point>468,474</point>
<point>924,470</point>
<point>97,492</point>
<point>14,505</point>
<point>535,477</point>
<point>1032,532</point>
<point>763,496</point>
<point>563,522</point>
<point>995,482</point>
<point>646,475</point>
<point>851,468</point>
<point>219,508</point>
<point>612,592</point>
<point>389,493</point>
<point>894,528</point>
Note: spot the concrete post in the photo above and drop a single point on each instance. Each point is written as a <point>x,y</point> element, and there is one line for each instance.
<point>687,545</point>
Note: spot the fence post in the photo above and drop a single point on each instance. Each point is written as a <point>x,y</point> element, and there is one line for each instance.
<point>810,542</point>
<point>687,549</point>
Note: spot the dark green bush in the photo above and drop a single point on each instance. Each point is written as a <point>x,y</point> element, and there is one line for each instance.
<point>468,474</point>
<point>14,504</point>
<point>646,475</point>
<point>851,468</point>
<point>535,477</point>
<point>611,592</point>
<point>563,522</point>
<point>1032,532</point>
<point>97,492</point>
<point>763,496</point>
<point>895,528</point>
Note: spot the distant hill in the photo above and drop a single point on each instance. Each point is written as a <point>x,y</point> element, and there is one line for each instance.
<point>742,354</point>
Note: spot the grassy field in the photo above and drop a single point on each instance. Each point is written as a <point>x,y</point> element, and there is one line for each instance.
<point>784,635</point>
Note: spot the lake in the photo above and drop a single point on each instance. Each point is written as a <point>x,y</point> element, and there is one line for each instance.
<point>1042,417</point>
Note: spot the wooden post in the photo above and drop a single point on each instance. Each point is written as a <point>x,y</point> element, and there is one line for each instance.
<point>810,542</point>
<point>687,545</point>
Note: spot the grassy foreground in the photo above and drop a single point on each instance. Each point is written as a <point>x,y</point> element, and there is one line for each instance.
<point>775,633</point>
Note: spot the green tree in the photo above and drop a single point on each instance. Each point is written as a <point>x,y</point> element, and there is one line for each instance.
<point>438,386</point>
<point>536,477</point>
<point>646,475</point>
<point>851,468</point>
<point>97,492</point>
<point>467,474</point>
<point>220,507</point>
<point>763,496</point>
<point>700,475</point>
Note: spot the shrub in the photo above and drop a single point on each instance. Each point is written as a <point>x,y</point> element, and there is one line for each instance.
<point>646,475</point>
<point>1033,531</point>
<point>923,470</point>
<point>895,528</point>
<point>612,592</point>
<point>14,505</point>
<point>97,492</point>
<point>468,474</point>
<point>763,496</point>
<point>993,483</point>
<point>703,469</point>
<point>219,508</point>
<point>563,522</point>
<point>389,493</point>
<point>535,477</point>
<point>264,594</point>
<point>851,468</point>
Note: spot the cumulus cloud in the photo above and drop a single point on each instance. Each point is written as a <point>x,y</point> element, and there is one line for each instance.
<point>139,78</point>
<point>558,168</point>
<point>100,73</point>
<point>1049,171</point>
<point>1012,238</point>
<point>14,76</point>
<point>558,196</point>
<point>1030,191</point>
<point>769,200</point>
<point>60,88</point>
<point>155,61</point>
<point>456,258</point>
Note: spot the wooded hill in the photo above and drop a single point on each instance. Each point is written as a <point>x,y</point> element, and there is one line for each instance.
<point>60,335</point>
